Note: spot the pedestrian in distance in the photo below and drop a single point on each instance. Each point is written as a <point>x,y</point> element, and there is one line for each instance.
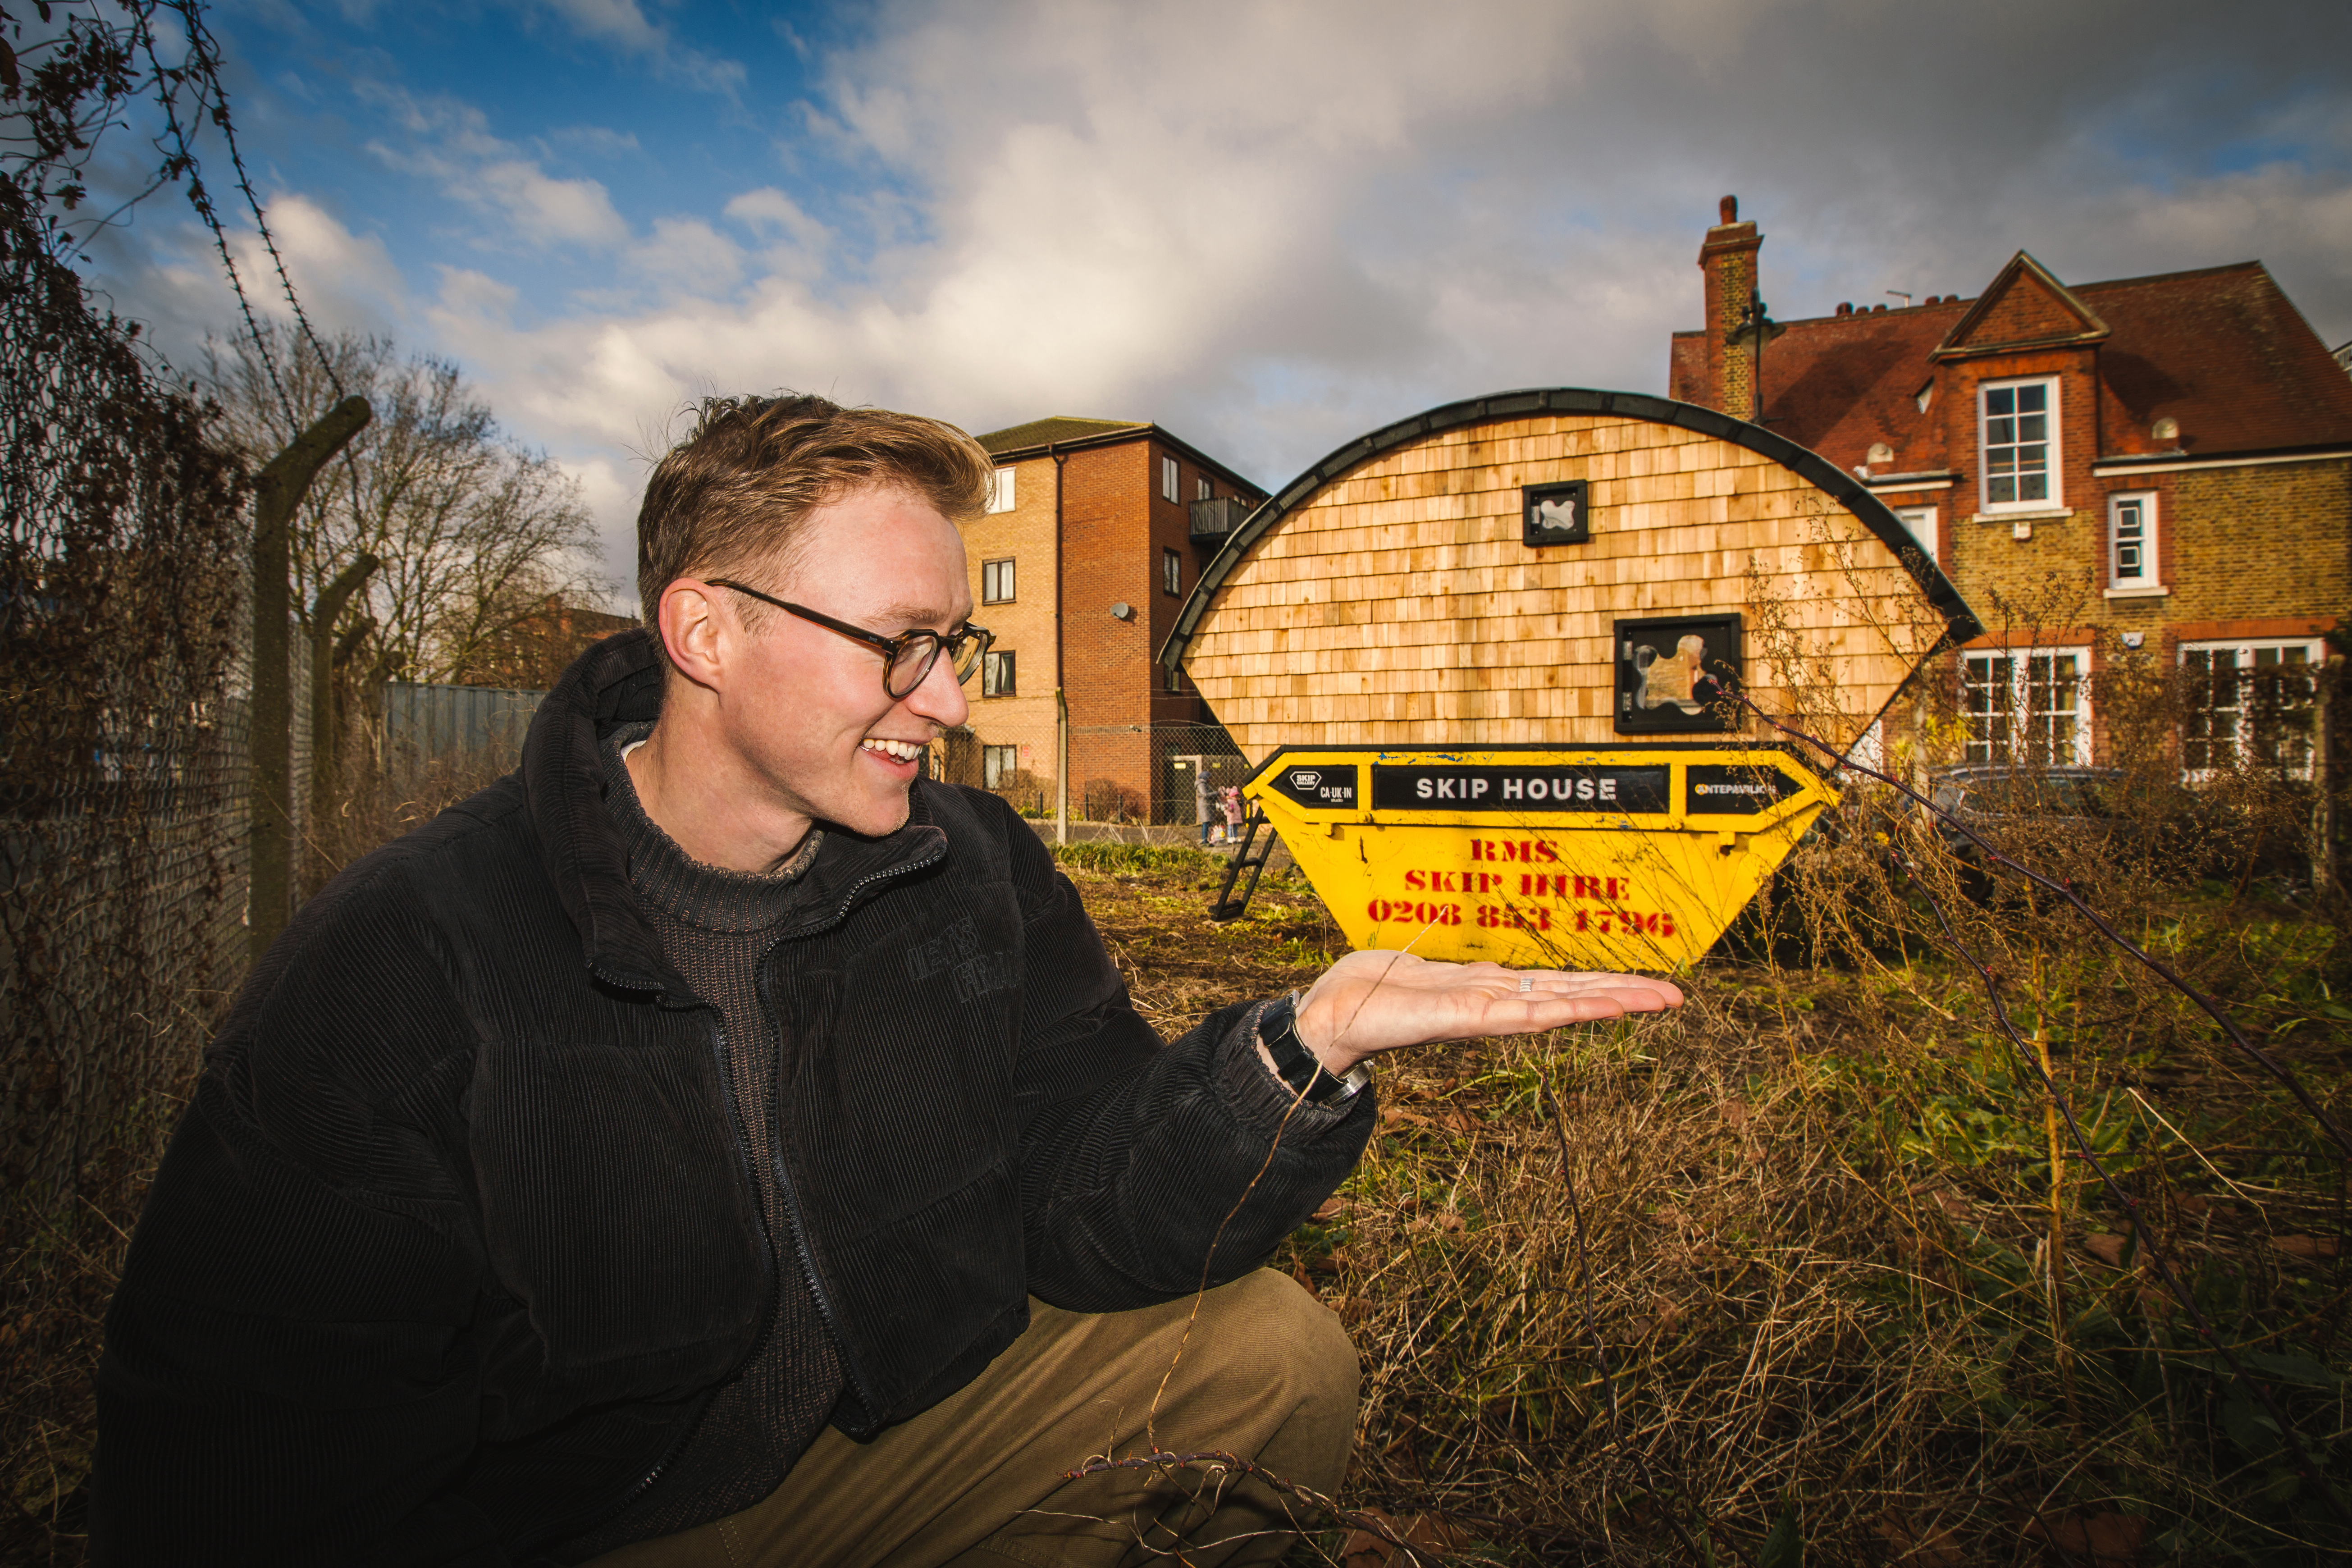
<point>716,1143</point>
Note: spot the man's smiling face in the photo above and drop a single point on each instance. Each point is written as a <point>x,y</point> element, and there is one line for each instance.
<point>811,716</point>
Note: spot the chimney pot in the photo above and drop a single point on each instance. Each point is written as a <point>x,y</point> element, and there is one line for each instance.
<point>1845,307</point>
<point>1729,207</point>
<point>1879,310</point>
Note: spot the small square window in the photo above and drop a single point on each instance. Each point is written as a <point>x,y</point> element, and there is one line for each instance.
<point>996,582</point>
<point>2131,542</point>
<point>1168,479</point>
<point>1172,571</point>
<point>996,673</point>
<point>1677,675</point>
<point>1921,521</point>
<point>1000,490</point>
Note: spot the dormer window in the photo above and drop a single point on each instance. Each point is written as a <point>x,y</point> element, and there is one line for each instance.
<point>2019,450</point>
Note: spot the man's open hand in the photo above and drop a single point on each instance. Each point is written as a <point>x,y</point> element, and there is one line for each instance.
<point>1373,1002</point>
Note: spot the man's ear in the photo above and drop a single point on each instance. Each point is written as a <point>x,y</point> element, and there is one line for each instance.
<point>697,631</point>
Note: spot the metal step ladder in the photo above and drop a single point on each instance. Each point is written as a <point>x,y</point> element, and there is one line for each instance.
<point>1248,855</point>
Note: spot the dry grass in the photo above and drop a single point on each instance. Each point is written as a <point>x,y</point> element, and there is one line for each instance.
<point>1817,1225</point>
<point>1816,1281</point>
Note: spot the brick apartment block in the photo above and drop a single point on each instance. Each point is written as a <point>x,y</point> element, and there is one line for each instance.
<point>2151,468</point>
<point>1099,529</point>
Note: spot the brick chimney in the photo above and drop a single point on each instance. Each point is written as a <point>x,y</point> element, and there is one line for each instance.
<point>1728,259</point>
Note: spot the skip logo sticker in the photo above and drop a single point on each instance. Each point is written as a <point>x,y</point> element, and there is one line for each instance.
<point>1324,787</point>
<point>956,952</point>
<point>1714,790</point>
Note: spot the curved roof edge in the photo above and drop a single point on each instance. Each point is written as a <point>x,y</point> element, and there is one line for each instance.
<point>1961,623</point>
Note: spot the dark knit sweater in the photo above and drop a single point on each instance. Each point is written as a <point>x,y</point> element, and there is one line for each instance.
<point>716,927</point>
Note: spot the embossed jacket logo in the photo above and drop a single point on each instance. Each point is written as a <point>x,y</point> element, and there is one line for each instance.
<point>956,950</point>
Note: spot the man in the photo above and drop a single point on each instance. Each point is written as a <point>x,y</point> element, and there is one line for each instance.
<point>714,1144</point>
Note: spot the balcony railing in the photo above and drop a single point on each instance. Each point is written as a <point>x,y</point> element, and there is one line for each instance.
<point>1213,519</point>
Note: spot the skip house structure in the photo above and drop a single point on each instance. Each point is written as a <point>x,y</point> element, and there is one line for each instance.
<point>1491,658</point>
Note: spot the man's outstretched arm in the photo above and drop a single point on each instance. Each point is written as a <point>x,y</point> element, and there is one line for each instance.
<point>1147,1167</point>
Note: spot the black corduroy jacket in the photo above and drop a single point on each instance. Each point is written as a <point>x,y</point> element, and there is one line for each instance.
<point>459,1232</point>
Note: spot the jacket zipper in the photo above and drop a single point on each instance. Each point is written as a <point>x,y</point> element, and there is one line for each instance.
<point>722,1053</point>
<point>785,1188</point>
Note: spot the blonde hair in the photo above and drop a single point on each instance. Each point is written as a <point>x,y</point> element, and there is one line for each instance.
<point>739,487</point>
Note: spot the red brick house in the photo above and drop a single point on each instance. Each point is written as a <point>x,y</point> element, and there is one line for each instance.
<point>2148,467</point>
<point>1098,529</point>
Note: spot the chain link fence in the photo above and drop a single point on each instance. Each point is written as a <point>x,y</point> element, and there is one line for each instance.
<point>123,726</point>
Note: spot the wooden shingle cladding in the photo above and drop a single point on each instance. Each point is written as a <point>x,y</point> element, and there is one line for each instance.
<point>1388,598</point>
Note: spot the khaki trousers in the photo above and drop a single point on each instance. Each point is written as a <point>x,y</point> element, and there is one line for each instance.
<point>976,1481</point>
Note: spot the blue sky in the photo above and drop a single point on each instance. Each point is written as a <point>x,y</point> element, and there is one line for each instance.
<point>1270,226</point>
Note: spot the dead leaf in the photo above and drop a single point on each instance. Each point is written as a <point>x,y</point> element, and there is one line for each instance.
<point>1954,1205</point>
<point>1912,1545</point>
<point>1392,1114</point>
<point>1450,1222</point>
<point>2108,1250</point>
<point>1736,1112</point>
<point>2307,1245</point>
<point>1330,1209</point>
<point>1364,1549</point>
<point>2192,1203</point>
<point>1664,1308</point>
<point>2091,1540</point>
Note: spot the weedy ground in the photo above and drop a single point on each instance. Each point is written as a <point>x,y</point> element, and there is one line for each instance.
<point>1813,1287</point>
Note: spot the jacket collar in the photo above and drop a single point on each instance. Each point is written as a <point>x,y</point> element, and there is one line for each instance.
<point>618,681</point>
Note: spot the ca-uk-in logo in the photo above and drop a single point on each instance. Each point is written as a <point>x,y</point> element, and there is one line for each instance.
<point>1322,787</point>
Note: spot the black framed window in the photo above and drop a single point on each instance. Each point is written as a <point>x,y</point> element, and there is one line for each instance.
<point>996,582</point>
<point>1172,571</point>
<point>1677,674</point>
<point>996,673</point>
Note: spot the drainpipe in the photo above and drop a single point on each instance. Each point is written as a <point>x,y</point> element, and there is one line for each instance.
<point>1061,698</point>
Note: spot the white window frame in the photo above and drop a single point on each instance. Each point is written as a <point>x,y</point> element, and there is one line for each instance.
<point>1169,481</point>
<point>2018,691</point>
<point>1921,521</point>
<point>2198,766</point>
<point>1000,490</point>
<point>2146,580</point>
<point>2053,463</point>
<point>996,762</point>
<point>999,673</point>
<point>992,579</point>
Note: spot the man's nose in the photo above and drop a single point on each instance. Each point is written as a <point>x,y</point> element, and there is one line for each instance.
<point>938,696</point>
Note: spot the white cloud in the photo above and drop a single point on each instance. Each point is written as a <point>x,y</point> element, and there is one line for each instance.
<point>624,26</point>
<point>1273,225</point>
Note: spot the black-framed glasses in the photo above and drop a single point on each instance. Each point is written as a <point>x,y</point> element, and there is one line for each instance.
<point>909,657</point>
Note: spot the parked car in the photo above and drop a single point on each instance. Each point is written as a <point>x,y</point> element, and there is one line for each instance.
<point>2066,821</point>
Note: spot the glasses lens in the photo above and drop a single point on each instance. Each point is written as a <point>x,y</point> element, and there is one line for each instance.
<point>914,662</point>
<point>970,644</point>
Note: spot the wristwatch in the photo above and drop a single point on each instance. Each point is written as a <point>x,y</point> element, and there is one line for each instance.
<point>1278,1027</point>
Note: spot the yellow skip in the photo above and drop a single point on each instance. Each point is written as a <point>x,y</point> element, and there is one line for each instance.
<point>1623,857</point>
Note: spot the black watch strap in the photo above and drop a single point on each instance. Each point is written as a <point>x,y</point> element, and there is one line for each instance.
<point>1278,1027</point>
